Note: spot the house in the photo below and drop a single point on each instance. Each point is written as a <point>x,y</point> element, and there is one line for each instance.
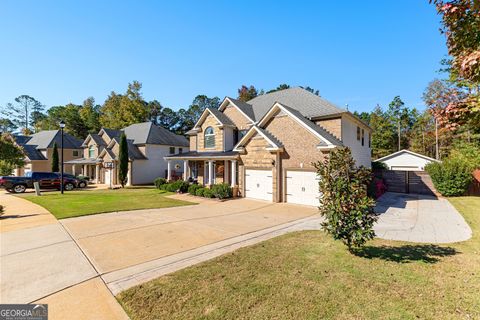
<point>148,144</point>
<point>264,148</point>
<point>38,149</point>
<point>406,160</point>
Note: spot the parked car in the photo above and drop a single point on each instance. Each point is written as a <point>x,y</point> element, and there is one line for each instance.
<point>46,180</point>
<point>82,181</point>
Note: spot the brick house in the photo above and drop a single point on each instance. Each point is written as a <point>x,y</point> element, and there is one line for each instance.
<point>147,143</point>
<point>264,148</point>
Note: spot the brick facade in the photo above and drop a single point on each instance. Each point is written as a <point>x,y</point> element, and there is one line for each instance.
<point>240,121</point>
<point>334,126</point>
<point>210,121</point>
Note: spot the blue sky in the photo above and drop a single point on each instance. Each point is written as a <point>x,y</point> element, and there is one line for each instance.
<point>356,52</point>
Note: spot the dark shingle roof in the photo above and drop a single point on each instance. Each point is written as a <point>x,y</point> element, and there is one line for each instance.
<point>32,153</point>
<point>307,103</point>
<point>270,136</point>
<point>46,139</point>
<point>97,139</point>
<point>133,152</point>
<point>221,117</point>
<point>324,133</point>
<point>20,139</point>
<point>245,107</point>
<point>212,154</point>
<point>149,133</point>
<point>112,133</point>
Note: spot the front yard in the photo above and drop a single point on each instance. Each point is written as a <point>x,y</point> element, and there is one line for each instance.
<point>79,203</point>
<point>306,275</point>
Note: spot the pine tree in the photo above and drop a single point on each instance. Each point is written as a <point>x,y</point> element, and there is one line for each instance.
<point>55,161</point>
<point>123,160</point>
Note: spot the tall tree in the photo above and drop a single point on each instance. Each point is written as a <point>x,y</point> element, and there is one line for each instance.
<point>283,86</point>
<point>12,155</point>
<point>70,114</point>
<point>383,135</point>
<point>315,92</point>
<point>123,160</point>
<point>247,93</point>
<point>188,117</point>
<point>397,113</point>
<point>20,112</point>
<point>168,119</point>
<point>6,125</point>
<point>55,159</point>
<point>154,110</point>
<point>90,115</point>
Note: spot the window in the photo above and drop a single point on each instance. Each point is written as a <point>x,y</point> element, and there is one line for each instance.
<point>180,150</point>
<point>75,153</point>
<point>358,133</point>
<point>238,135</point>
<point>172,150</point>
<point>363,137</point>
<point>209,138</point>
<point>91,152</point>
<point>369,140</point>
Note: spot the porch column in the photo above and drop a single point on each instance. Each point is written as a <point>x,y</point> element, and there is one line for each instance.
<point>169,169</point>
<point>210,172</point>
<point>185,170</point>
<point>225,172</point>
<point>97,173</point>
<point>85,170</point>
<point>234,173</point>
<point>73,169</point>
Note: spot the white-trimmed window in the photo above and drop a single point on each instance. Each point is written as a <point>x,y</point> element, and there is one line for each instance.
<point>209,138</point>
<point>91,151</point>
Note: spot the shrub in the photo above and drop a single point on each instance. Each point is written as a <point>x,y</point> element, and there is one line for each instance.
<point>179,185</point>
<point>451,177</point>
<point>222,191</point>
<point>378,165</point>
<point>347,209</point>
<point>192,189</point>
<point>199,191</point>
<point>2,210</point>
<point>159,182</point>
<point>208,193</point>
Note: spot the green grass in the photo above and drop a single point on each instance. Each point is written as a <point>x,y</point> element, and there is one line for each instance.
<point>80,203</point>
<point>307,275</point>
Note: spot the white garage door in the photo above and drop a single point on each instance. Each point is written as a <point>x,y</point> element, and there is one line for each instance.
<point>258,184</point>
<point>302,188</point>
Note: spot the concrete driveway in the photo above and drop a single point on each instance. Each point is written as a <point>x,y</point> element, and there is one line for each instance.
<point>419,218</point>
<point>79,263</point>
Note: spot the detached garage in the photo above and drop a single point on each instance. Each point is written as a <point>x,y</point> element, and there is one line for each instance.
<point>406,160</point>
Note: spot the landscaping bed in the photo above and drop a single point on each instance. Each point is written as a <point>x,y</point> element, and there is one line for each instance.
<point>220,191</point>
<point>307,275</point>
<point>79,203</point>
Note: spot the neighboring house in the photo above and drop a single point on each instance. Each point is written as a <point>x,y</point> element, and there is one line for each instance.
<point>265,147</point>
<point>148,144</point>
<point>38,150</point>
<point>406,160</point>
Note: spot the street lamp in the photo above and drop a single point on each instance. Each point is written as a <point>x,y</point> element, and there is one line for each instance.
<point>62,125</point>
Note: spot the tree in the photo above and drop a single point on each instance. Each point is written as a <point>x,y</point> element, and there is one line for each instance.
<point>12,155</point>
<point>20,112</point>
<point>315,92</point>
<point>6,125</point>
<point>168,119</point>
<point>70,114</point>
<point>461,25</point>
<point>154,110</point>
<point>364,116</point>
<point>90,115</point>
<point>55,160</point>
<point>187,118</point>
<point>397,112</point>
<point>123,160</point>
<point>383,135</point>
<point>247,93</point>
<point>283,86</point>
<point>347,209</point>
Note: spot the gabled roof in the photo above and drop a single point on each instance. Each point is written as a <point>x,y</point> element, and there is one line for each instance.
<point>406,151</point>
<point>96,138</point>
<point>195,155</point>
<point>218,115</point>
<point>133,152</point>
<point>32,153</point>
<point>327,139</point>
<point>21,139</point>
<point>149,133</point>
<point>244,108</point>
<point>272,141</point>
<point>305,102</point>
<point>46,139</point>
<point>111,133</point>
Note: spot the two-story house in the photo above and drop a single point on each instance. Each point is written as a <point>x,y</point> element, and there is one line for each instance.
<point>38,149</point>
<point>265,148</point>
<point>148,144</point>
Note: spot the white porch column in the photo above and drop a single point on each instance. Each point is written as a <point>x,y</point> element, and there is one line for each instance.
<point>234,173</point>
<point>169,169</point>
<point>185,170</point>
<point>85,170</point>
<point>211,179</point>
<point>73,169</point>
<point>97,173</point>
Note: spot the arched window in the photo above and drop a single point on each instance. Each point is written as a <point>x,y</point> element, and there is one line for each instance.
<point>91,151</point>
<point>209,138</point>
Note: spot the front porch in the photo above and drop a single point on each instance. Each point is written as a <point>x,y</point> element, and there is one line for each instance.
<point>207,168</point>
<point>91,168</point>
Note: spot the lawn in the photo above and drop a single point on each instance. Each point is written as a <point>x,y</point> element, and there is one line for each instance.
<point>80,203</point>
<point>307,275</point>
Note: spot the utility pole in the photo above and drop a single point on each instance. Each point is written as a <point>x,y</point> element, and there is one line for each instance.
<point>399,144</point>
<point>437,154</point>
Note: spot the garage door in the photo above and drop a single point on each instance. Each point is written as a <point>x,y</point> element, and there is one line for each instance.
<point>258,184</point>
<point>302,188</point>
